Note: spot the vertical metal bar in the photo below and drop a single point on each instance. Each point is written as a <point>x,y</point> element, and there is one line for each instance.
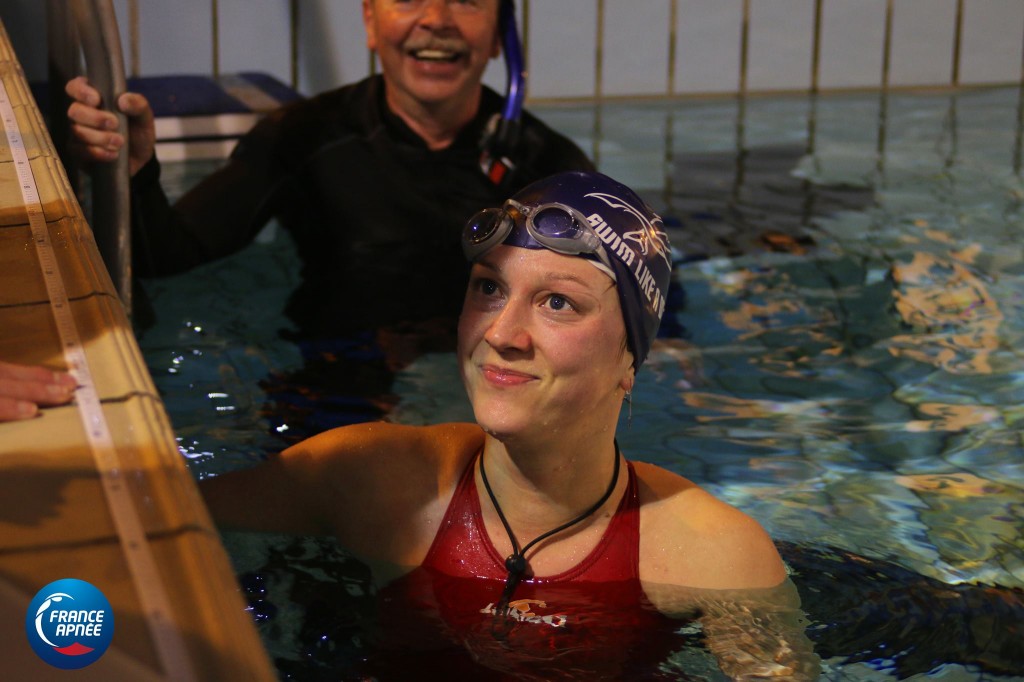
<point>812,115</point>
<point>1017,152</point>
<point>887,46</point>
<point>744,47</point>
<point>816,48</point>
<point>741,114</point>
<point>215,37</point>
<point>293,19</point>
<point>673,14</point>
<point>667,160</point>
<point>111,222</point>
<point>883,103</point>
<point>951,115</point>
<point>958,31</point>
<point>741,105</point>
<point>807,187</point>
<point>133,38</point>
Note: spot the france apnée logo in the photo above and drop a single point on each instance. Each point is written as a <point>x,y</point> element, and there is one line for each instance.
<point>69,624</point>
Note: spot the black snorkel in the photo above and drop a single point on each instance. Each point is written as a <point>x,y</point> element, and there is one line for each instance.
<point>503,130</point>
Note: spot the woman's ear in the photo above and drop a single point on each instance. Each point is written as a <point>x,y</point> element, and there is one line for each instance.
<point>629,378</point>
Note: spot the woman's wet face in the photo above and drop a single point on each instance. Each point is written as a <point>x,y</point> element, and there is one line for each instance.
<point>541,343</point>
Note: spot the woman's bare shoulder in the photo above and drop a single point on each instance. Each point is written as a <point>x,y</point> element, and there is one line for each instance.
<point>690,537</point>
<point>378,435</point>
<point>384,487</point>
<point>386,444</point>
<point>380,488</point>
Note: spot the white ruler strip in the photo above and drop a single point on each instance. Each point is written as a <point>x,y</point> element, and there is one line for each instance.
<point>170,645</point>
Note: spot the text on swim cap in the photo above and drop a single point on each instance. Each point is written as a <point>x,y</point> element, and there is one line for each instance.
<point>625,253</point>
<point>615,244</point>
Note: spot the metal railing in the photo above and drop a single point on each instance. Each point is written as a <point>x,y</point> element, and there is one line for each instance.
<point>676,15</point>
<point>89,28</point>
<point>103,53</point>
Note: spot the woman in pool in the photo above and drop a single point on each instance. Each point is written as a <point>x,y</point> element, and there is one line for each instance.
<point>528,531</point>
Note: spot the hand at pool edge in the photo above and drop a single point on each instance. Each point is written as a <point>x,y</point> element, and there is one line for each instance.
<point>24,389</point>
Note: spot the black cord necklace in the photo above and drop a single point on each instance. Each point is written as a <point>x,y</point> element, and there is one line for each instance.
<point>516,561</point>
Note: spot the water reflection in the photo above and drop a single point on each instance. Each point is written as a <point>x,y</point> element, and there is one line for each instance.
<point>849,372</point>
<point>954,318</point>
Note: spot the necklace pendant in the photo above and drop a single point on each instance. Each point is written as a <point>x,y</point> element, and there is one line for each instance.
<point>516,563</point>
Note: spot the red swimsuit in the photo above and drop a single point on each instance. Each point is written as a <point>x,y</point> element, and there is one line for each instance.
<point>589,622</point>
<point>462,547</point>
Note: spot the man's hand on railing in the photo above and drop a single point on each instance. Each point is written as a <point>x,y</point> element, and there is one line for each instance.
<point>94,130</point>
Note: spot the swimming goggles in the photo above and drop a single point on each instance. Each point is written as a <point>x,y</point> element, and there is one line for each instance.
<point>554,226</point>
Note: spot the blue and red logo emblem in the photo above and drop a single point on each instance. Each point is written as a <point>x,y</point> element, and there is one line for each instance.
<point>69,624</point>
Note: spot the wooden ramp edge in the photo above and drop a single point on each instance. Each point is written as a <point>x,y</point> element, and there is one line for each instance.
<point>146,540</point>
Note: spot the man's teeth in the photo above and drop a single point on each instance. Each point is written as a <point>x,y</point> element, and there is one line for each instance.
<point>435,55</point>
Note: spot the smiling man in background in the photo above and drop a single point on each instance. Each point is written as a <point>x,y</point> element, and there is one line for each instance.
<point>368,178</point>
<point>372,180</point>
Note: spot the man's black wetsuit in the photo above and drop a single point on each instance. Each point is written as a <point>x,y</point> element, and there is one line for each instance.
<point>375,214</point>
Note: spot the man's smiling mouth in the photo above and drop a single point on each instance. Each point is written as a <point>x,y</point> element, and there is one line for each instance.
<point>433,55</point>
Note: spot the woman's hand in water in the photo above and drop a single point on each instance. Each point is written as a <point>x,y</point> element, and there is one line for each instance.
<point>755,634</point>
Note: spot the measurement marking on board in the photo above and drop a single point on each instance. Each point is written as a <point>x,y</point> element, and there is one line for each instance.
<point>170,645</point>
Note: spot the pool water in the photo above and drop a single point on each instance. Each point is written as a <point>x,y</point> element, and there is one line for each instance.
<point>843,362</point>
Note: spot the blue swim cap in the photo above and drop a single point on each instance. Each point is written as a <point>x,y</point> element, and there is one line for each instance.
<point>620,234</point>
